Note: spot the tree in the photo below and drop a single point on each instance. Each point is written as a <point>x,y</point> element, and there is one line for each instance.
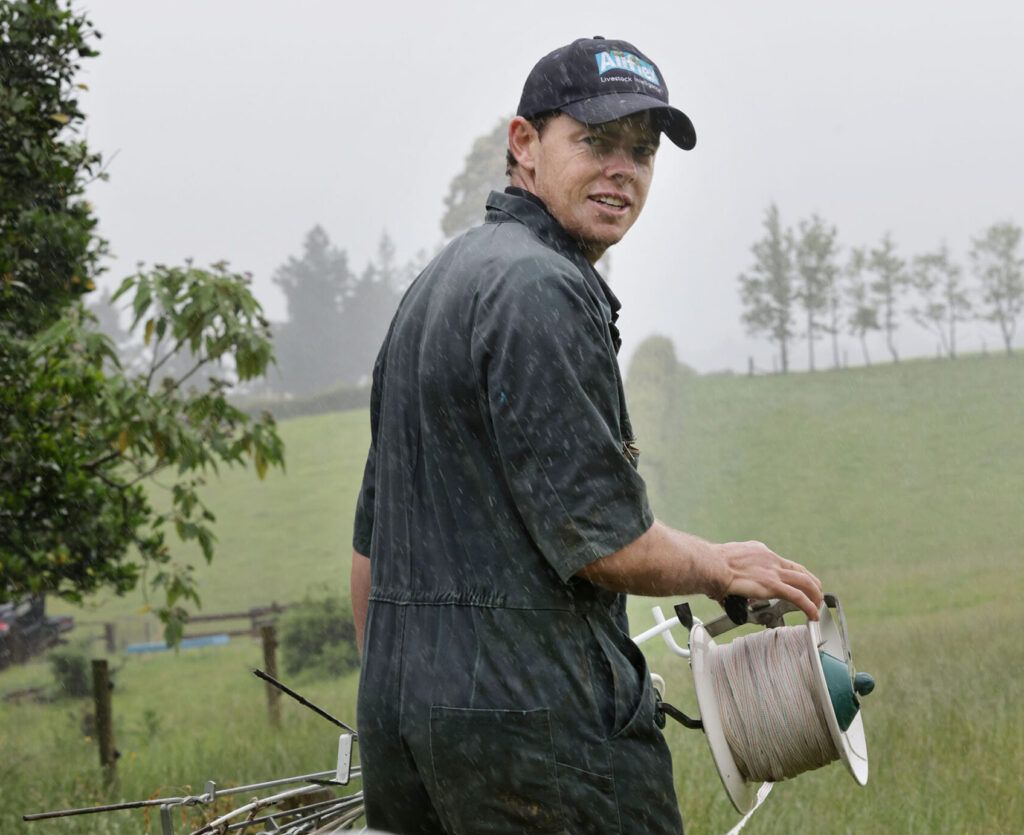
<point>368,311</point>
<point>890,284</point>
<point>48,251</point>
<point>311,343</point>
<point>863,316</point>
<point>81,438</point>
<point>768,292</point>
<point>818,291</point>
<point>656,382</point>
<point>997,263</point>
<point>942,298</point>
<point>482,172</point>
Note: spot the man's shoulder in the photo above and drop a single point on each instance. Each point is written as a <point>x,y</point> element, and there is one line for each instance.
<point>509,254</point>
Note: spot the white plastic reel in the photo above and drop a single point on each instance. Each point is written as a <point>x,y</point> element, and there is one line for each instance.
<point>829,634</point>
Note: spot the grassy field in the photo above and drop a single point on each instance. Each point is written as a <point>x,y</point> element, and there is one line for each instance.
<point>901,486</point>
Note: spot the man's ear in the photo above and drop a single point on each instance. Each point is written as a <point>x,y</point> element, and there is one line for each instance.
<point>522,139</point>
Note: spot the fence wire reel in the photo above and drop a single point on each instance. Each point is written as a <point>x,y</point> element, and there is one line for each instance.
<point>773,703</point>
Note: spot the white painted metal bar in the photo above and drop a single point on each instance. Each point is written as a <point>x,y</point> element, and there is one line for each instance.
<point>663,627</point>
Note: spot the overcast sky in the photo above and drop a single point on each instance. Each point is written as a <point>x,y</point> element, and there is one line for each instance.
<point>237,126</point>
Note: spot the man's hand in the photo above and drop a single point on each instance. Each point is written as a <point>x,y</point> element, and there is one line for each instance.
<point>756,572</point>
<point>664,562</point>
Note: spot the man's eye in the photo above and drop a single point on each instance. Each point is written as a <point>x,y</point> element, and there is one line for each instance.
<point>645,151</point>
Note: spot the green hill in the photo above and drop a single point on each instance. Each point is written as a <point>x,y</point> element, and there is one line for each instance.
<point>901,486</point>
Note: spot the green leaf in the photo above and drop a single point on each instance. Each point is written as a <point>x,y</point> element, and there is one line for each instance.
<point>141,302</point>
<point>125,286</point>
<point>261,464</point>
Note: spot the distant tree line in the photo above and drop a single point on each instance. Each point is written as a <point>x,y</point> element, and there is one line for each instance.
<point>803,285</point>
<point>335,323</point>
<point>337,318</point>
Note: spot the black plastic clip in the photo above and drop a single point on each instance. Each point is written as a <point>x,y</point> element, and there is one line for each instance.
<point>736,608</point>
<point>663,709</point>
<point>684,614</point>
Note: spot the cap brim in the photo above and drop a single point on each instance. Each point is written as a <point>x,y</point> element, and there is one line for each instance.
<point>675,124</point>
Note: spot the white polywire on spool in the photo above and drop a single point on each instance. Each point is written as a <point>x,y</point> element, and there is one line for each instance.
<point>765,685</point>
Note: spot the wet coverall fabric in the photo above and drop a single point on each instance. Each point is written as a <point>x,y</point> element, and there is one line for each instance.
<point>499,693</point>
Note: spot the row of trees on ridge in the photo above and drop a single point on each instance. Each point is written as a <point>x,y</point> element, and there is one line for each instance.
<point>801,285</point>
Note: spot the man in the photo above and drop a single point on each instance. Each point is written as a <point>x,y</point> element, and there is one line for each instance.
<point>501,516</point>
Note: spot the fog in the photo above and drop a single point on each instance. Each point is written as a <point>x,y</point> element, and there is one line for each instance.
<point>231,128</point>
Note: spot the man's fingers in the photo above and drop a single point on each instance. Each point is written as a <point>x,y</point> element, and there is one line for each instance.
<point>795,566</point>
<point>806,582</point>
<point>802,589</point>
<point>800,599</point>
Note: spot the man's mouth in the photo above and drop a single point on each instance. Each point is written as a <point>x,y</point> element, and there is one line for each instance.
<point>612,201</point>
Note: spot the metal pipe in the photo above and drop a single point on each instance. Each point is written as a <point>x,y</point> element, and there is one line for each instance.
<point>188,800</point>
<point>254,806</point>
<point>663,628</point>
<point>341,807</point>
<point>305,778</point>
<point>302,700</point>
<point>670,639</point>
<point>340,802</point>
<point>111,807</point>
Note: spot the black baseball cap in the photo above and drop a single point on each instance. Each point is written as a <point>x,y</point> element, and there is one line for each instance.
<point>598,80</point>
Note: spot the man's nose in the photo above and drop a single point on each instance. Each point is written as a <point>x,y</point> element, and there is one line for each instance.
<point>619,164</point>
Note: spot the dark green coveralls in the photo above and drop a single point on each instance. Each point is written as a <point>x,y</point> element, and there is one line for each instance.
<point>499,693</point>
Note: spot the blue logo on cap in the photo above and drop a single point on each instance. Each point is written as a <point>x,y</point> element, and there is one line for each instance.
<point>626,62</point>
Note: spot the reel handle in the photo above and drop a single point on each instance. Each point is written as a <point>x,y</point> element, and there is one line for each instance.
<point>737,608</point>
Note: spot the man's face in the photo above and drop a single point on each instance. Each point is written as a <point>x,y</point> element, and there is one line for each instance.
<point>594,179</point>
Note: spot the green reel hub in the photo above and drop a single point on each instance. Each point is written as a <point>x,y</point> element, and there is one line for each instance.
<point>844,687</point>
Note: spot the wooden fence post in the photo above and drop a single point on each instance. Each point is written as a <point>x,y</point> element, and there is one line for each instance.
<point>109,637</point>
<point>104,719</point>
<point>269,636</point>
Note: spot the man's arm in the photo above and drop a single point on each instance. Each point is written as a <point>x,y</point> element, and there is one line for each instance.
<point>360,591</point>
<point>665,562</point>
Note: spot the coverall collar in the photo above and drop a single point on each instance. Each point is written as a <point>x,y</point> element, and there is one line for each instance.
<point>529,210</point>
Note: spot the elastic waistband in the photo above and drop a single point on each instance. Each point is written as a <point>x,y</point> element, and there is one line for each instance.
<point>486,599</point>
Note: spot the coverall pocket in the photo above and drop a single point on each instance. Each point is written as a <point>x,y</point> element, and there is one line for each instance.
<point>630,685</point>
<point>495,771</point>
<point>642,716</point>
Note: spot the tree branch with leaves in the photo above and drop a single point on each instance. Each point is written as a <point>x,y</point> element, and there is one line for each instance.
<point>862,316</point>
<point>82,438</point>
<point>942,300</point>
<point>997,263</point>
<point>888,288</point>
<point>767,290</point>
<point>818,292</point>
